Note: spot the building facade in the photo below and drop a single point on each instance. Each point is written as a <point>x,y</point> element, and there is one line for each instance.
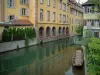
<point>52,19</point>
<point>91,19</point>
<point>76,16</point>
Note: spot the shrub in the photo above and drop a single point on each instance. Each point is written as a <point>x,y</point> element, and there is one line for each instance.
<point>14,34</point>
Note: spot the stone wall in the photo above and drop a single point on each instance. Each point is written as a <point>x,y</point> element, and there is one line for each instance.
<point>8,46</point>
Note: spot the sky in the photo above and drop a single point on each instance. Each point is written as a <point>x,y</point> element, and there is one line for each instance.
<point>82,1</point>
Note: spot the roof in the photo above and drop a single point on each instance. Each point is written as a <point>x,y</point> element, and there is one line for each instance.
<point>17,23</point>
<point>89,2</point>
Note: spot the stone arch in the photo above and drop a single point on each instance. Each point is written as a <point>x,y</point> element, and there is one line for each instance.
<point>67,31</point>
<point>48,31</point>
<point>63,31</point>
<point>54,31</point>
<point>60,31</point>
<point>41,31</point>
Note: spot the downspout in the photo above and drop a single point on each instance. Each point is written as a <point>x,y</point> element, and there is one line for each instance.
<point>36,20</point>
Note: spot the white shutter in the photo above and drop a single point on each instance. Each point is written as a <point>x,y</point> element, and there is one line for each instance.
<point>20,1</point>
<point>21,11</point>
<point>8,3</point>
<point>27,1</point>
<point>13,3</point>
<point>27,12</point>
<point>8,18</point>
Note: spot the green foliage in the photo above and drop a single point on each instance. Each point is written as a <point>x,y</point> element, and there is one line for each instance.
<point>93,56</point>
<point>79,30</point>
<point>14,34</point>
<point>88,34</point>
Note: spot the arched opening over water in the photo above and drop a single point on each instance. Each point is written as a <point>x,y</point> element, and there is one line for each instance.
<point>60,31</point>
<point>67,31</point>
<point>41,31</point>
<point>53,31</point>
<point>48,31</point>
<point>63,30</point>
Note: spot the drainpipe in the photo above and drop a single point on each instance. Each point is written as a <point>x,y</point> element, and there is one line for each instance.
<point>36,20</point>
<point>3,11</point>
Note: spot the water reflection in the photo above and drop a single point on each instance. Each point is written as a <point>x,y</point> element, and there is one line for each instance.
<point>52,58</point>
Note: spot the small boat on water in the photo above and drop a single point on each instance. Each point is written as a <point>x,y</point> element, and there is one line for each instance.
<point>78,58</point>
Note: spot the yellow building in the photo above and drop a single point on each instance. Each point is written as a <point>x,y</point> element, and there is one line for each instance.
<point>51,18</point>
<point>76,16</point>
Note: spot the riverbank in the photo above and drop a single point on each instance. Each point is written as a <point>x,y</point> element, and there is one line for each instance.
<point>8,46</point>
<point>85,59</point>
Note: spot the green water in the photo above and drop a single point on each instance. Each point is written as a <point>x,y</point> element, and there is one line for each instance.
<point>53,58</point>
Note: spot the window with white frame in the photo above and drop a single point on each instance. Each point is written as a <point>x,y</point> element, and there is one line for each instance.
<point>48,2</point>
<point>11,3</point>
<point>41,1</point>
<point>54,16</point>
<point>54,3</point>
<point>48,15</point>
<point>11,17</point>
<point>41,14</point>
<point>23,1</point>
<point>24,12</point>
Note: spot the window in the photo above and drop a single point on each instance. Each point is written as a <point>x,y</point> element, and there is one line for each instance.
<point>64,6</point>
<point>92,22</point>
<point>97,23</point>
<point>60,17</point>
<point>54,3</point>
<point>48,15</point>
<point>24,11</point>
<point>48,2</point>
<point>23,1</point>
<point>41,14</point>
<point>54,16</point>
<point>89,9</point>
<point>11,3</point>
<point>60,4</point>
<point>72,28</point>
<point>64,18</point>
<point>96,34</point>
<point>41,1</point>
<point>11,17</point>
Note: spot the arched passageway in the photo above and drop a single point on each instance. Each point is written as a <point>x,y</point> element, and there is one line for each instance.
<point>53,31</point>
<point>60,31</point>
<point>48,31</point>
<point>67,31</point>
<point>63,30</point>
<point>41,31</point>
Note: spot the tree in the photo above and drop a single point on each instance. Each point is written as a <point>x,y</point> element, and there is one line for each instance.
<point>79,30</point>
<point>97,4</point>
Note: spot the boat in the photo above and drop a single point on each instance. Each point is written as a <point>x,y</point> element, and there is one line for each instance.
<point>78,58</point>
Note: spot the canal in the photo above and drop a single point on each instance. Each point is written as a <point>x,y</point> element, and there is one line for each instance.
<point>53,58</point>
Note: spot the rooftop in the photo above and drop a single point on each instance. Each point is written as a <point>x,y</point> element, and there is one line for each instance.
<point>89,2</point>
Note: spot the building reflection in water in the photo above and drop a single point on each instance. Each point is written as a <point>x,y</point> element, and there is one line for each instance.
<point>52,58</point>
